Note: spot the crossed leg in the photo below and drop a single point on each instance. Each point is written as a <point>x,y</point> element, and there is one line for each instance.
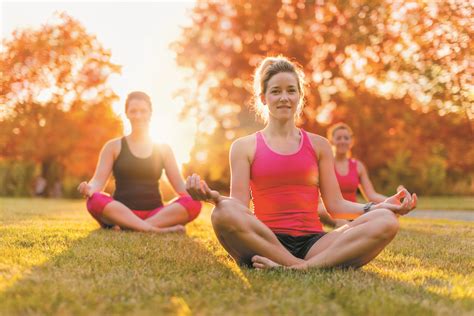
<point>114,213</point>
<point>352,245</point>
<point>244,236</point>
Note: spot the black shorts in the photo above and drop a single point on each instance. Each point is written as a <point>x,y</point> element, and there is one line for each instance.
<point>299,246</point>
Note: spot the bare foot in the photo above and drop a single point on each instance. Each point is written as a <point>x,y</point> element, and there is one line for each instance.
<point>116,228</point>
<point>173,229</point>
<point>260,262</point>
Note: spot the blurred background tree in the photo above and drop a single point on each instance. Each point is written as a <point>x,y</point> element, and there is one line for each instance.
<point>56,106</point>
<point>398,72</point>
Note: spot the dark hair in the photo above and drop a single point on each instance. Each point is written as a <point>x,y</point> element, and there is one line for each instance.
<point>137,95</point>
<point>268,68</point>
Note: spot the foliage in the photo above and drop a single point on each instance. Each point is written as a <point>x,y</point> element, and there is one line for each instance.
<point>397,72</point>
<point>16,178</point>
<point>56,102</point>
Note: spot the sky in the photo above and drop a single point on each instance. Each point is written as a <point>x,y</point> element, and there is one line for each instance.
<point>138,34</point>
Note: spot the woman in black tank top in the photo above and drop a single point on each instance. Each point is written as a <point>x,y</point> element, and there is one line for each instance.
<point>137,165</point>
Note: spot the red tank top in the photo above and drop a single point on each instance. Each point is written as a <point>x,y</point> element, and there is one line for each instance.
<point>349,182</point>
<point>285,189</point>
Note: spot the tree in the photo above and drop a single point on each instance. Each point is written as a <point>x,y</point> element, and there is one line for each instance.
<point>56,101</point>
<point>380,65</point>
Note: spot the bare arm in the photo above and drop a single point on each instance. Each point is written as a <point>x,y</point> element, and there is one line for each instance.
<point>240,177</point>
<point>172,170</point>
<point>400,203</point>
<point>366,186</point>
<point>324,215</point>
<point>330,191</point>
<point>326,219</point>
<point>102,170</point>
<point>240,171</point>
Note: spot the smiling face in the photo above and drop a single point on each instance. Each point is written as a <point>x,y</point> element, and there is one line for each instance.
<point>342,141</point>
<point>282,96</point>
<point>139,113</point>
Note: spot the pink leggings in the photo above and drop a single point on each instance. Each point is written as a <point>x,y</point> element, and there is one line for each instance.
<point>97,202</point>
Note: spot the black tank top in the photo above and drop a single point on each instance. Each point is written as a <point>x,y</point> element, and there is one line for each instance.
<point>136,179</point>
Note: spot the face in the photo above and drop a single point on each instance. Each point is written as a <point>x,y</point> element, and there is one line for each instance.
<point>139,113</point>
<point>341,141</point>
<point>282,96</point>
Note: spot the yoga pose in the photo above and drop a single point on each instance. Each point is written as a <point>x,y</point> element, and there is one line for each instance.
<point>351,173</point>
<point>137,165</point>
<point>285,168</point>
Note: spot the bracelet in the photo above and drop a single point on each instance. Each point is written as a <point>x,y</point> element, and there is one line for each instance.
<point>368,206</point>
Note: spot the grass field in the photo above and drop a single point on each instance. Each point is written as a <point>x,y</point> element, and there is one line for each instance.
<point>446,203</point>
<point>55,261</point>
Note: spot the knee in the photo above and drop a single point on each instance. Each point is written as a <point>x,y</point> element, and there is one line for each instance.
<point>224,215</point>
<point>97,201</point>
<point>385,225</point>
<point>193,207</point>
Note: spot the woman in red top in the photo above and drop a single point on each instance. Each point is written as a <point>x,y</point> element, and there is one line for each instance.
<point>283,168</point>
<point>351,173</point>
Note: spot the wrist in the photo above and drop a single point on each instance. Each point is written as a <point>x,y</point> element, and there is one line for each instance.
<point>368,207</point>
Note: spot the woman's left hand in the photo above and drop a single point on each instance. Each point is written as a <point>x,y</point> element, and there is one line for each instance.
<point>401,203</point>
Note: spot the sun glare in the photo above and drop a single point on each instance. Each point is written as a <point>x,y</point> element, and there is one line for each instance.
<point>179,135</point>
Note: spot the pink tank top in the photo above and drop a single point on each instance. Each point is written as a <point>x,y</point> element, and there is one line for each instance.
<point>350,182</point>
<point>285,189</point>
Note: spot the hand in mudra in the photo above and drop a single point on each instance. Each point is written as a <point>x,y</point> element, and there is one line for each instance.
<point>401,203</point>
<point>85,189</point>
<point>200,191</point>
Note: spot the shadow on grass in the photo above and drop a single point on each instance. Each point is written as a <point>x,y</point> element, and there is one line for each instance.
<point>110,272</point>
<point>442,246</point>
<point>420,273</point>
<point>121,273</point>
<point>355,292</point>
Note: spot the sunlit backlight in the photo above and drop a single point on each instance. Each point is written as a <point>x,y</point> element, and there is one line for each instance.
<point>325,114</point>
<point>166,128</point>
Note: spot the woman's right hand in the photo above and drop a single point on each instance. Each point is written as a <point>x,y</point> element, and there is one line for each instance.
<point>85,189</point>
<point>200,191</point>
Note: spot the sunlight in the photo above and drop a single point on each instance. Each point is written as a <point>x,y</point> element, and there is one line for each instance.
<point>166,128</point>
<point>182,308</point>
<point>411,270</point>
<point>143,51</point>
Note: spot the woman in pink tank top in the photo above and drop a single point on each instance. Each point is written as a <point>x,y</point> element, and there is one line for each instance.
<point>282,169</point>
<point>351,173</point>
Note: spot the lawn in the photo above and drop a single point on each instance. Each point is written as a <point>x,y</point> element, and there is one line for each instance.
<point>446,203</point>
<point>54,260</point>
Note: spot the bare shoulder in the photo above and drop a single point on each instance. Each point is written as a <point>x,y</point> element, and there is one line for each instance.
<point>244,146</point>
<point>113,146</point>
<point>320,144</point>
<point>360,166</point>
<point>244,143</point>
<point>164,148</point>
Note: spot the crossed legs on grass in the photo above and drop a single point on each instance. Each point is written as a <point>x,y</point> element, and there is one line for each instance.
<point>170,218</point>
<point>352,245</point>
<point>244,236</point>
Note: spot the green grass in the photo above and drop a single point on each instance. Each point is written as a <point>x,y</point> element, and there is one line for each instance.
<point>446,203</point>
<point>55,261</point>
